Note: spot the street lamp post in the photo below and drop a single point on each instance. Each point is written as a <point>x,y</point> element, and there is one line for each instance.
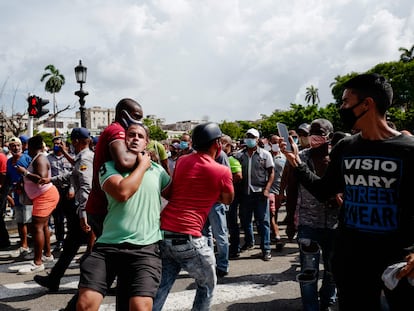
<point>80,73</point>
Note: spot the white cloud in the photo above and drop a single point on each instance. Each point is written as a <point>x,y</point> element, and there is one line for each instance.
<point>186,59</point>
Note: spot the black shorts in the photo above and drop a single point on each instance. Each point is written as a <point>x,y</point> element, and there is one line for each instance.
<point>138,268</point>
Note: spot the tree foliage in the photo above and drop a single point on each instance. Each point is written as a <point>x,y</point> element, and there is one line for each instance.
<point>312,95</point>
<point>407,55</point>
<point>399,73</point>
<point>233,129</point>
<point>156,132</point>
<point>55,79</point>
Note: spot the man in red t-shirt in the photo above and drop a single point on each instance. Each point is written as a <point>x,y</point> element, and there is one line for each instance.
<point>198,182</point>
<point>111,146</point>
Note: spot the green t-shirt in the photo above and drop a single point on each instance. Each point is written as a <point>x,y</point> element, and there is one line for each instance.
<point>158,149</point>
<point>235,165</point>
<point>136,221</point>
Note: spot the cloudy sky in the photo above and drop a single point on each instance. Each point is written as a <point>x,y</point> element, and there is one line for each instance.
<point>192,59</point>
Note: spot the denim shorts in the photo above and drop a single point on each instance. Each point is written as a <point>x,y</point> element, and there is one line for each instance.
<point>137,267</point>
<point>23,214</point>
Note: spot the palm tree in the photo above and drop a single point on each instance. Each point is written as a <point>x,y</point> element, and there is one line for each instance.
<point>312,95</point>
<point>406,55</point>
<point>53,85</point>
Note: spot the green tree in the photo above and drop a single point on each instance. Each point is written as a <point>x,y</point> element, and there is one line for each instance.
<point>232,129</point>
<point>312,95</point>
<point>47,138</point>
<point>407,55</point>
<point>53,85</point>
<point>156,133</point>
<point>401,76</point>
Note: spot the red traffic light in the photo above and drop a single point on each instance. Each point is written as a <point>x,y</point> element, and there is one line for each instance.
<point>36,108</point>
<point>33,106</point>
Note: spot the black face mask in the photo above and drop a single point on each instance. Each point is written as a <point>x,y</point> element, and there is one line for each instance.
<point>348,117</point>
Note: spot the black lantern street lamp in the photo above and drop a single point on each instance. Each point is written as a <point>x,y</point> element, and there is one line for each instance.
<point>80,73</point>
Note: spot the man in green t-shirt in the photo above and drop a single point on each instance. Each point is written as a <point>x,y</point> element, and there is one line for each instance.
<point>158,154</point>
<point>128,245</point>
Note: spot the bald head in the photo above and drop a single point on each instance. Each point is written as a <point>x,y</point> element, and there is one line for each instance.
<point>128,111</point>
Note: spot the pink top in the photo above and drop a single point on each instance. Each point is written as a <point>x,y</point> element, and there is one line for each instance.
<point>32,189</point>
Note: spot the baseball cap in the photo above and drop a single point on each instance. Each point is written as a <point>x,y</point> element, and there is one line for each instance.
<point>304,127</point>
<point>79,133</point>
<point>176,145</point>
<point>24,138</point>
<point>253,132</point>
<point>321,127</point>
<point>15,140</point>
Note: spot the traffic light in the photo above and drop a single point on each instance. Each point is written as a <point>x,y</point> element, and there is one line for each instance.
<point>36,104</point>
<point>33,106</point>
<point>40,110</point>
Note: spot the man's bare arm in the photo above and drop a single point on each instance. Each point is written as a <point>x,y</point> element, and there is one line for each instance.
<point>124,159</point>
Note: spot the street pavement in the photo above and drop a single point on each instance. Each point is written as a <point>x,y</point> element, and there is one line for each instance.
<point>252,284</point>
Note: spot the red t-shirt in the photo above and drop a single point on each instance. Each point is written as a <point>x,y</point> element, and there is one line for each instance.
<point>197,183</point>
<point>3,163</point>
<point>97,202</point>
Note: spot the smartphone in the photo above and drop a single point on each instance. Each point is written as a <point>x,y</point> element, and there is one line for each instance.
<point>284,133</point>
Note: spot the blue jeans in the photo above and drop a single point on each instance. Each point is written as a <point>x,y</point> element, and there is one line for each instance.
<point>258,205</point>
<point>195,257</point>
<point>216,226</point>
<point>323,238</point>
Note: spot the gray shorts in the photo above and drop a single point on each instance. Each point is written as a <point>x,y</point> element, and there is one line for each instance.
<point>23,214</point>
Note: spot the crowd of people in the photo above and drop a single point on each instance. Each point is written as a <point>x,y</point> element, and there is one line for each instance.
<point>146,210</point>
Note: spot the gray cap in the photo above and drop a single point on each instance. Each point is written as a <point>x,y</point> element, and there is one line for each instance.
<point>304,127</point>
<point>321,127</point>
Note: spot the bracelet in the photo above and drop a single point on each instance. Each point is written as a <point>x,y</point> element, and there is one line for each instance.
<point>26,172</point>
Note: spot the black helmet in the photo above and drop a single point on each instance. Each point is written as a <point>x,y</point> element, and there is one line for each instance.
<point>204,133</point>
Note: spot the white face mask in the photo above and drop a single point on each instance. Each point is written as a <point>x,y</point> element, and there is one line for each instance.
<point>267,147</point>
<point>275,148</point>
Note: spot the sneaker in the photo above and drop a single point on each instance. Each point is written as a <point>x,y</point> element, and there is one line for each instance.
<point>246,247</point>
<point>32,268</point>
<point>24,251</point>
<point>267,256</point>
<point>48,258</point>
<point>45,281</point>
<point>17,268</point>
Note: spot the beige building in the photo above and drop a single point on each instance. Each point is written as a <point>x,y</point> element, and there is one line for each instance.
<point>97,118</point>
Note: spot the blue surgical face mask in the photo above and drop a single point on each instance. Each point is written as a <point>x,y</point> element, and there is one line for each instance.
<point>56,148</point>
<point>183,145</point>
<point>127,120</point>
<point>250,142</point>
<point>295,139</point>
